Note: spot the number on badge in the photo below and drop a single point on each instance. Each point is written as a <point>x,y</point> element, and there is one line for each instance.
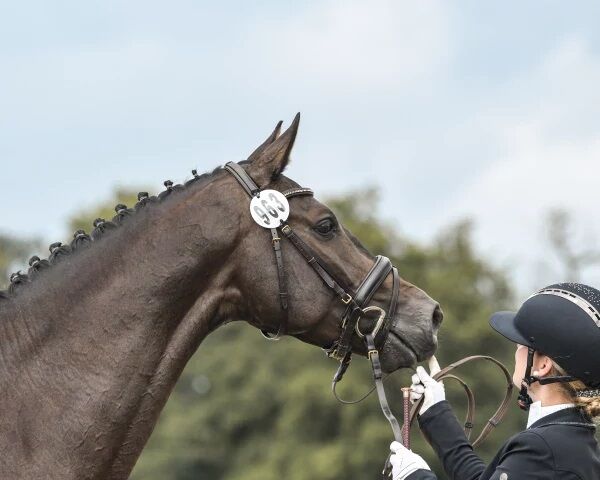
<point>270,208</point>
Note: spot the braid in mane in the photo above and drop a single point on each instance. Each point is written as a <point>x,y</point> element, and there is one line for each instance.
<point>193,179</point>
<point>122,213</point>
<point>36,265</point>
<point>144,199</point>
<point>169,190</point>
<point>57,252</point>
<point>17,280</point>
<point>101,226</point>
<point>82,240</point>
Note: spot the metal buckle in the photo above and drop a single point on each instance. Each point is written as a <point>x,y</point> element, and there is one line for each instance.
<point>286,229</point>
<point>373,352</point>
<point>334,353</point>
<point>346,298</point>
<point>276,239</point>
<point>378,325</point>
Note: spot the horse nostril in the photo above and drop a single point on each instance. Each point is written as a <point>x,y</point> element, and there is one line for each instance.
<point>437,317</point>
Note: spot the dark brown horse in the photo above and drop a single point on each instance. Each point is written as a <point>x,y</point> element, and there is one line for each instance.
<point>92,346</point>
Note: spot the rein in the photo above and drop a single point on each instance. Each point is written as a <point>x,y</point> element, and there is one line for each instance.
<point>356,307</point>
<point>402,434</point>
<point>495,419</point>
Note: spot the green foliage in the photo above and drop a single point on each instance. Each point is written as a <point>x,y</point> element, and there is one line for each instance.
<point>13,252</point>
<point>560,231</point>
<point>84,219</point>
<point>249,409</point>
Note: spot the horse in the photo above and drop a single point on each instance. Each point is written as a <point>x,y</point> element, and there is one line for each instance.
<point>94,338</point>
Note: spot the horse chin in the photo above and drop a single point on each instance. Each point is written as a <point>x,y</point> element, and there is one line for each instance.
<point>397,354</point>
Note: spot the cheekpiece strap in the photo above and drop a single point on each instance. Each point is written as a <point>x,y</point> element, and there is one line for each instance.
<point>252,189</point>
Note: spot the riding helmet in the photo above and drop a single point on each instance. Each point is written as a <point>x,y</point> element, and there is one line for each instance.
<point>563,322</point>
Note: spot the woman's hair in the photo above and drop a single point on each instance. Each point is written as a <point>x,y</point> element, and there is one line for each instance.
<point>590,404</point>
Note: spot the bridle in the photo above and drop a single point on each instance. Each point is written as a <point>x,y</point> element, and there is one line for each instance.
<point>356,306</point>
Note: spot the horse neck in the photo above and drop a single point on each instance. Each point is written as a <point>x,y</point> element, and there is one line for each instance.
<point>91,351</point>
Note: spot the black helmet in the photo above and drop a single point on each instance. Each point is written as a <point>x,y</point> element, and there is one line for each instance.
<point>563,322</point>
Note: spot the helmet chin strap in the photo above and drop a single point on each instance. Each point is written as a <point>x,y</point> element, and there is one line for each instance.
<point>524,399</point>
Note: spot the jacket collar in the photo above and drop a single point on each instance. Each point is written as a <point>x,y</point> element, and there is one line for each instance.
<point>537,411</point>
<point>571,414</point>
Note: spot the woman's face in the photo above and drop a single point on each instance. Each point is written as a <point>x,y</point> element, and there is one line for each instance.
<point>520,365</point>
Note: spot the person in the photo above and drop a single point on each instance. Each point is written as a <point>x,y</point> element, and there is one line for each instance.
<point>557,367</point>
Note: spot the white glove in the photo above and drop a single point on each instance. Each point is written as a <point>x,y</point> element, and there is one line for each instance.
<point>422,383</point>
<point>404,461</point>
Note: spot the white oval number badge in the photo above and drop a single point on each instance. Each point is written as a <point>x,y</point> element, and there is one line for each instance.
<point>270,208</point>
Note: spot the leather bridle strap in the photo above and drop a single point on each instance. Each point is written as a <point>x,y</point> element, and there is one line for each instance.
<point>243,178</point>
<point>378,377</point>
<point>468,426</point>
<point>315,263</point>
<point>373,280</point>
<point>341,349</point>
<point>498,414</point>
<point>252,189</point>
<point>371,283</point>
<point>383,332</point>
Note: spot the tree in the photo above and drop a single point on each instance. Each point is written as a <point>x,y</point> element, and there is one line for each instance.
<point>83,219</point>
<point>573,260</point>
<point>13,254</point>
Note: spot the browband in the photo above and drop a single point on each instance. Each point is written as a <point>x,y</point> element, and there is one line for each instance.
<point>297,192</point>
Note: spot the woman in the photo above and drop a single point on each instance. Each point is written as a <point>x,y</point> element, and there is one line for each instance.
<point>557,366</point>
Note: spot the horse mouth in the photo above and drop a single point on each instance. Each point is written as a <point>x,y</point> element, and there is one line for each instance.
<point>407,346</point>
<point>397,353</point>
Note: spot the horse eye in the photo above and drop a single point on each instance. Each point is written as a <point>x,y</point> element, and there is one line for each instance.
<point>325,227</point>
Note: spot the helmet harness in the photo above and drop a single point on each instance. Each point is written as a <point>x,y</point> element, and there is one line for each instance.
<point>525,399</point>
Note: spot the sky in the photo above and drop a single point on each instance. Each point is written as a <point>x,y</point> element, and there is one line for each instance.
<point>452,110</point>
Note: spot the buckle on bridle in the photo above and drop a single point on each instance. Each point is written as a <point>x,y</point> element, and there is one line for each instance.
<point>378,324</point>
<point>346,298</point>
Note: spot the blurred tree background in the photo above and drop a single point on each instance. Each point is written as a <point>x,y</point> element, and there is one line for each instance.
<point>14,252</point>
<point>250,409</point>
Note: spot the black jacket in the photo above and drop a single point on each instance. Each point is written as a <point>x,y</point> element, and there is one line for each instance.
<point>559,446</point>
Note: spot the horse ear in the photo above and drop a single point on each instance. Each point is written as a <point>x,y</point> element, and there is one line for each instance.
<point>256,153</point>
<point>272,160</point>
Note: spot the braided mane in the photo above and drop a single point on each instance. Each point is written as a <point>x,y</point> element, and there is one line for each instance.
<point>81,240</point>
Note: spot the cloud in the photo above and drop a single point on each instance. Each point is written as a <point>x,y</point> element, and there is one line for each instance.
<point>549,157</point>
<point>350,46</point>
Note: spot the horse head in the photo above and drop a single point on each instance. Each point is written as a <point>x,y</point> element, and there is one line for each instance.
<point>315,312</point>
